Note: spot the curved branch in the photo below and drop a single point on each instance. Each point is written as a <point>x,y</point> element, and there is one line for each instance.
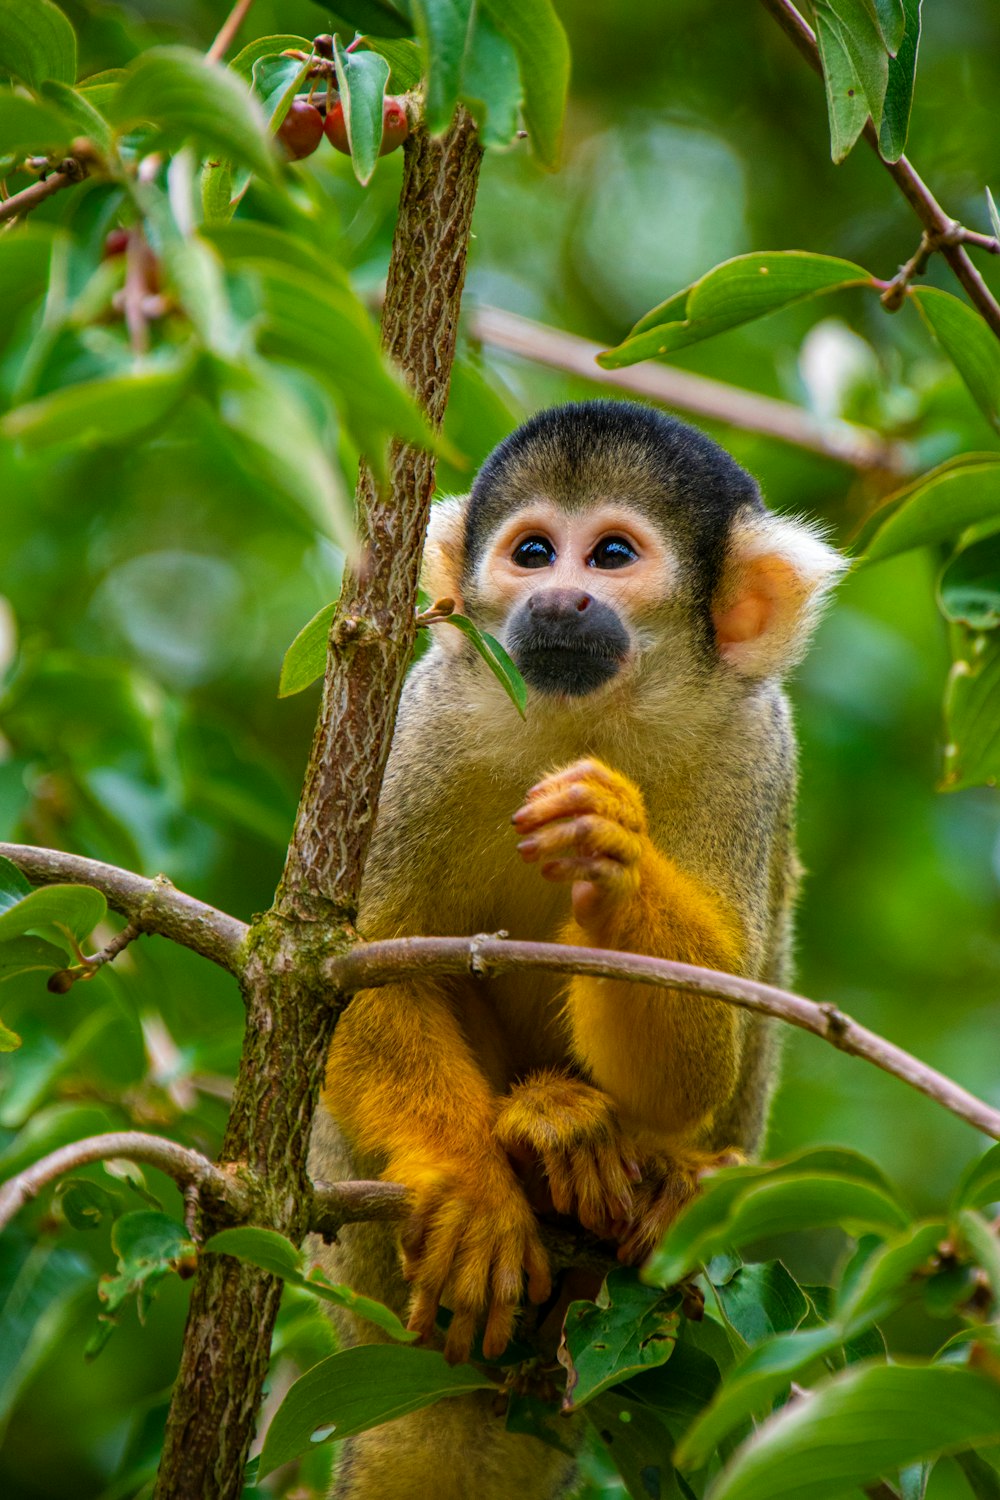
<point>151,905</point>
<point>369,965</point>
<point>913,188</point>
<point>189,1168</point>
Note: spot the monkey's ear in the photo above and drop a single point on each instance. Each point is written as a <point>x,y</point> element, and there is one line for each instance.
<point>776,579</point>
<point>444,550</point>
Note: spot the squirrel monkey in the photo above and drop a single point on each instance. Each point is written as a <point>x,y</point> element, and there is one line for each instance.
<point>652,604</point>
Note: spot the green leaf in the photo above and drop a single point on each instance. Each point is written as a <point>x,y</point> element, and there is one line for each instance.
<point>27,955</point>
<point>443,28</point>
<point>846,104</point>
<point>217,193</point>
<point>148,1245</point>
<point>277,438</point>
<point>537,36</point>
<point>246,240</point>
<point>361,79</point>
<point>762,1299</point>
<point>171,88</point>
<point>53,910</point>
<point>266,46</point>
<point>968,589</point>
<point>980,1182</point>
<point>86,1204</point>
<point>981,1241</point>
<point>36,42</point>
<point>24,264</point>
<point>776,1207</point>
<point>98,412</point>
<point>890,17</point>
<point>358,1389</point>
<point>969,344</point>
<point>9,1040</point>
<point>936,508</point>
<point>628,1329</point>
<point>735,292</point>
<point>276,81</point>
<point>887,1277</point>
<point>30,128</point>
<point>994,216</point>
<point>272,1252</point>
<point>13,885</point>
<point>80,112</point>
<point>496,659</point>
<point>305,659</point>
<point>899,90</point>
<point>972,714</point>
<point>859,1426</point>
<point>405,61</point>
<point>491,82</point>
<point>640,1446</point>
<point>982,1478</point>
<point>41,1287</point>
<point>863,41</point>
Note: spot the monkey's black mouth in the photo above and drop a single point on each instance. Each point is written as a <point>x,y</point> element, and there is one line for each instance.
<point>573,671</point>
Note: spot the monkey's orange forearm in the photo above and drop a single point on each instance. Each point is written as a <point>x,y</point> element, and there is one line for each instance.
<point>669,1060</point>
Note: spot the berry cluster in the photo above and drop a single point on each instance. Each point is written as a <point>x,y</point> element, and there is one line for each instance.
<point>305,124</point>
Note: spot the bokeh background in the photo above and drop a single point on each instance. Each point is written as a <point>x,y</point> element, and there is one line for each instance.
<point>147,597</point>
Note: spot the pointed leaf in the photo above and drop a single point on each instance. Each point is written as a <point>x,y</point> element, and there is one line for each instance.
<point>305,659</point>
<point>972,714</point>
<point>266,46</point>
<point>890,17</point>
<point>640,1446</point>
<point>980,1239</point>
<point>357,1389</point>
<point>899,90</point>
<point>29,955</point>
<point>9,1040</point>
<point>979,1184</point>
<point>762,1299</point>
<point>630,1328</point>
<point>80,112</point>
<point>846,104</point>
<point>969,344</point>
<point>171,87</point>
<point>95,412</point>
<point>53,910</point>
<point>968,590</point>
<point>496,659</point>
<point>534,30</point>
<point>28,128</point>
<point>405,61</point>
<point>361,79</point>
<point>859,1426</point>
<point>863,40</point>
<point>36,42</point>
<point>937,508</point>
<point>735,292</point>
<point>491,82</point>
<point>443,28</point>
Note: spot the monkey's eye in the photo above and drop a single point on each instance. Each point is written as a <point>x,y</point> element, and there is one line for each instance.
<point>612,552</point>
<point>534,552</point>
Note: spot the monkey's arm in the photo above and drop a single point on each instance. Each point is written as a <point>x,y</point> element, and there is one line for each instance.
<point>670,1061</point>
<point>402,1082</point>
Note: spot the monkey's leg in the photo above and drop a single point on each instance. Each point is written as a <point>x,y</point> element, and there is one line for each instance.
<point>669,1061</point>
<point>571,1131</point>
<point>402,1082</point>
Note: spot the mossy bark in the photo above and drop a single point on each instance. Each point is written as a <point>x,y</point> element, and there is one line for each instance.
<point>289,1018</point>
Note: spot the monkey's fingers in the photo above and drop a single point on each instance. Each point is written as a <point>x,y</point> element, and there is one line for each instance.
<point>589,835</point>
<point>586,787</point>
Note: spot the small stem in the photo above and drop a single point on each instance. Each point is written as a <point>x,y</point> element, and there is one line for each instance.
<point>227,31</point>
<point>30,197</point>
<point>155,906</point>
<point>187,1167</point>
<point>65,979</point>
<point>368,965</point>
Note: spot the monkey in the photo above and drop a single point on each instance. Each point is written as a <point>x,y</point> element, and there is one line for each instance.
<point>652,604</point>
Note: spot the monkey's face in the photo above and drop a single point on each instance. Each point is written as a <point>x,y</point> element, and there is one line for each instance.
<point>570,587</point>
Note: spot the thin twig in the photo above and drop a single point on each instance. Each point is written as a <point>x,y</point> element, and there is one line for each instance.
<point>227,31</point>
<point>369,965</point>
<point>697,394</point>
<point>227,1192</point>
<point>916,192</point>
<point>30,197</point>
<point>155,906</point>
<point>65,979</point>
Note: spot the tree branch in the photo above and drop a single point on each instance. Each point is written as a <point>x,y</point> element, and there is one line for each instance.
<point>70,172</point>
<point>226,1192</point>
<point>153,906</point>
<point>369,965</point>
<point>843,441</point>
<point>916,192</point>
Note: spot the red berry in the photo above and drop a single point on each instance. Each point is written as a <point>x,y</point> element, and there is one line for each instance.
<point>116,243</point>
<point>395,126</point>
<point>301,131</point>
<point>335,129</point>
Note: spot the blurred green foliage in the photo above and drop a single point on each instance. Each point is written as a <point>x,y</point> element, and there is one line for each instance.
<point>148,592</point>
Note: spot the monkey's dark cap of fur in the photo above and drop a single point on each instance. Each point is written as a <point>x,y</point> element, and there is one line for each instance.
<point>589,451</point>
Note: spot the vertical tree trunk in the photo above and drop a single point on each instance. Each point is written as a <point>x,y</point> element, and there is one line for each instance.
<point>233,1307</point>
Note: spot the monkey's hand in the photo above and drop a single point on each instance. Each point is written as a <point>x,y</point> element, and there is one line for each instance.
<point>469,1241</point>
<point>570,1131</point>
<point>669,1181</point>
<point>586,824</point>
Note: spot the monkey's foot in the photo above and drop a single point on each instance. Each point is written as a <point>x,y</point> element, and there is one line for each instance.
<point>469,1242</point>
<point>585,824</point>
<point>570,1131</point>
<point>669,1182</point>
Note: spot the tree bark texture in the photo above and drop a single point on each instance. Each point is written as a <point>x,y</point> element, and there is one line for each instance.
<point>233,1307</point>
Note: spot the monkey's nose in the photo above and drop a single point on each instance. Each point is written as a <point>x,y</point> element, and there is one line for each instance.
<point>559,604</point>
